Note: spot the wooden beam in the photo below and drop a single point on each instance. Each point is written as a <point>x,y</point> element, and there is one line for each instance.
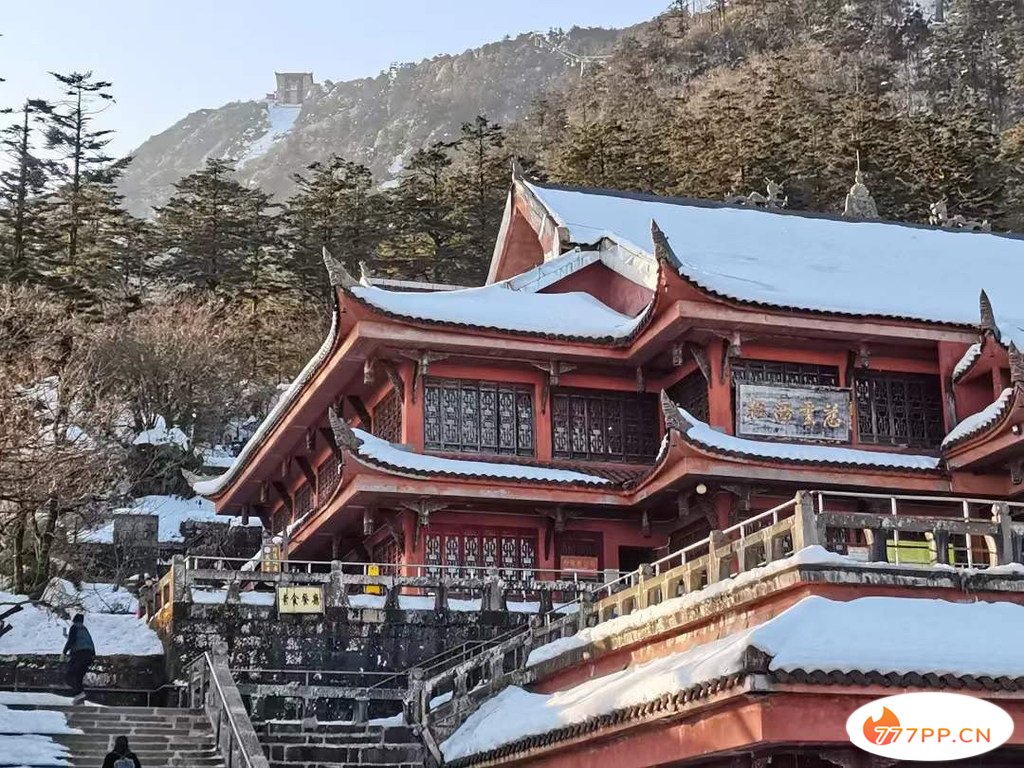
<point>360,409</point>
<point>328,437</point>
<point>307,470</point>
<point>394,376</point>
<point>282,491</point>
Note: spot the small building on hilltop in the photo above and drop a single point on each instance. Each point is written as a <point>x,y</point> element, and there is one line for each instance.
<point>517,425</point>
<point>292,87</point>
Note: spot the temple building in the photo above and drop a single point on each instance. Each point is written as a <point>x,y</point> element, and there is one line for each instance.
<point>640,371</point>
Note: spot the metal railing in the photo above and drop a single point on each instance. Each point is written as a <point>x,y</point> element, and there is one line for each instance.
<point>212,689</point>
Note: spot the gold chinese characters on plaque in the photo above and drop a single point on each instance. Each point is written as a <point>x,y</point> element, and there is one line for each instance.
<point>302,599</point>
<point>793,412</point>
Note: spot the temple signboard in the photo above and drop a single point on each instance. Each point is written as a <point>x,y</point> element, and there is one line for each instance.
<point>304,599</point>
<point>793,412</point>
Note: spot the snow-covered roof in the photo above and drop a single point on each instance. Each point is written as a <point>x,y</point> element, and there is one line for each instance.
<point>703,435</point>
<point>38,630</point>
<point>965,363</point>
<point>160,434</point>
<point>806,261</point>
<point>514,305</point>
<point>172,511</point>
<point>381,453</point>
<point>884,635</point>
<point>976,422</point>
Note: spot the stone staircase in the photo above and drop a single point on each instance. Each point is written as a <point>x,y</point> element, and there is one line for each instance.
<point>160,737</point>
<point>339,745</point>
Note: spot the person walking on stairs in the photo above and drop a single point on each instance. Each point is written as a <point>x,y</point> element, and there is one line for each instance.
<point>121,757</point>
<point>80,652</point>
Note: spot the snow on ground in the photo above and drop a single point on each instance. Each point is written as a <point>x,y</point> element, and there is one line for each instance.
<point>160,434</point>
<point>281,118</point>
<point>883,634</point>
<point>831,454</point>
<point>93,597</point>
<point>385,452</point>
<point>32,750</point>
<point>978,421</point>
<point>25,734</point>
<point>218,457</point>
<point>38,630</point>
<point>172,511</point>
<point>28,698</point>
<point>832,265</point>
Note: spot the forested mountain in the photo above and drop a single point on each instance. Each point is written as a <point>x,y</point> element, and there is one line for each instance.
<point>376,121</point>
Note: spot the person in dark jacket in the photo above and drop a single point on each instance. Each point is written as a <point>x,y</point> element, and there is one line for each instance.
<point>80,652</point>
<point>121,757</point>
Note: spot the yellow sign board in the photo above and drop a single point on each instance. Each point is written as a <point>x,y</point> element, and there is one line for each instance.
<point>373,589</point>
<point>300,599</point>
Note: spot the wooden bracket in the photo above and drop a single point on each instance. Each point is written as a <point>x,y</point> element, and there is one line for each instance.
<point>1016,471</point>
<point>863,355</point>
<point>391,370</point>
<point>328,436</point>
<point>554,369</point>
<point>368,373</point>
<point>641,381</point>
<point>700,356</point>
<point>423,509</point>
<point>422,360</point>
<point>645,524</point>
<point>282,491</point>
<point>360,408</point>
<point>311,440</point>
<point>369,521</point>
<point>732,348</point>
<point>307,470</point>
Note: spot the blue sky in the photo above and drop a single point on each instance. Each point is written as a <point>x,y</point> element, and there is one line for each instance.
<point>169,58</point>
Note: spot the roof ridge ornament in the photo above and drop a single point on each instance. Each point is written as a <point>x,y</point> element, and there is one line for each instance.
<point>773,200</point>
<point>674,420</point>
<point>336,272</point>
<point>1016,365</point>
<point>662,249</point>
<point>859,202</point>
<point>344,435</point>
<point>939,217</point>
<point>988,316</point>
<point>517,169</point>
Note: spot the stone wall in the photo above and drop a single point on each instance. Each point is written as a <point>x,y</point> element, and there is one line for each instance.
<point>348,639</point>
<point>131,679</point>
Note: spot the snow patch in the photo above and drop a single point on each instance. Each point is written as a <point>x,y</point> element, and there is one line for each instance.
<point>172,512</point>
<point>964,364</point>
<point>281,119</point>
<point>160,434</point>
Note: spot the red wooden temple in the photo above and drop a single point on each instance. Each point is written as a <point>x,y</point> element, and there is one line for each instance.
<point>520,424</point>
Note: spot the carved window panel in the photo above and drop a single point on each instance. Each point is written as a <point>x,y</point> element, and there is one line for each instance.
<point>452,553</point>
<point>432,553</point>
<point>490,547</point>
<point>303,501</point>
<point>387,418</point>
<point>509,550</point>
<point>477,417</point>
<point>899,409</point>
<point>604,426</point>
<point>774,372</point>
<point>328,475</point>
<point>509,556</point>
<point>471,551</point>
<point>691,393</point>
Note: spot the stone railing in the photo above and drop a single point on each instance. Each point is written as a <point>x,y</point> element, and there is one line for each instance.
<point>433,586</point>
<point>212,689</point>
<point>441,700</point>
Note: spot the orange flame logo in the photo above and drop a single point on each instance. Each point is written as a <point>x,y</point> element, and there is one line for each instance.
<point>882,730</point>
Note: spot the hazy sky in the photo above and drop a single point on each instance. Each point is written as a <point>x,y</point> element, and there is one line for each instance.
<point>169,57</point>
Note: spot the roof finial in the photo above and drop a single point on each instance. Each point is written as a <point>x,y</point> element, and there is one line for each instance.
<point>859,202</point>
<point>517,169</point>
<point>662,250</point>
<point>336,272</point>
<point>344,436</point>
<point>1016,365</point>
<point>673,418</point>
<point>988,316</point>
<point>365,276</point>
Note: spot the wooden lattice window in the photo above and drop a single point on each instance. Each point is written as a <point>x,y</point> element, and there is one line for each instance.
<point>691,393</point>
<point>387,418</point>
<point>303,500</point>
<point>477,417</point>
<point>510,550</point>
<point>327,476</point>
<point>899,409</point>
<point>773,372</point>
<point>601,425</point>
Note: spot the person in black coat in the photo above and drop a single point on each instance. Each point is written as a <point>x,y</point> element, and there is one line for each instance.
<point>80,652</point>
<point>121,757</point>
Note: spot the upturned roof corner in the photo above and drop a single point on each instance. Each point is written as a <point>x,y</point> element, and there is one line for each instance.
<point>988,316</point>
<point>674,420</point>
<point>344,436</point>
<point>662,249</point>
<point>336,272</point>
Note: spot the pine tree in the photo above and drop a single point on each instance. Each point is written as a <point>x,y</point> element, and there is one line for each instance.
<point>209,229</point>
<point>334,207</point>
<point>85,175</point>
<point>22,181</point>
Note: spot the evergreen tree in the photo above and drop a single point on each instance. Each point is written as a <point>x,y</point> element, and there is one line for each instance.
<point>85,175</point>
<point>22,181</point>
<point>210,228</point>
<point>334,207</point>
